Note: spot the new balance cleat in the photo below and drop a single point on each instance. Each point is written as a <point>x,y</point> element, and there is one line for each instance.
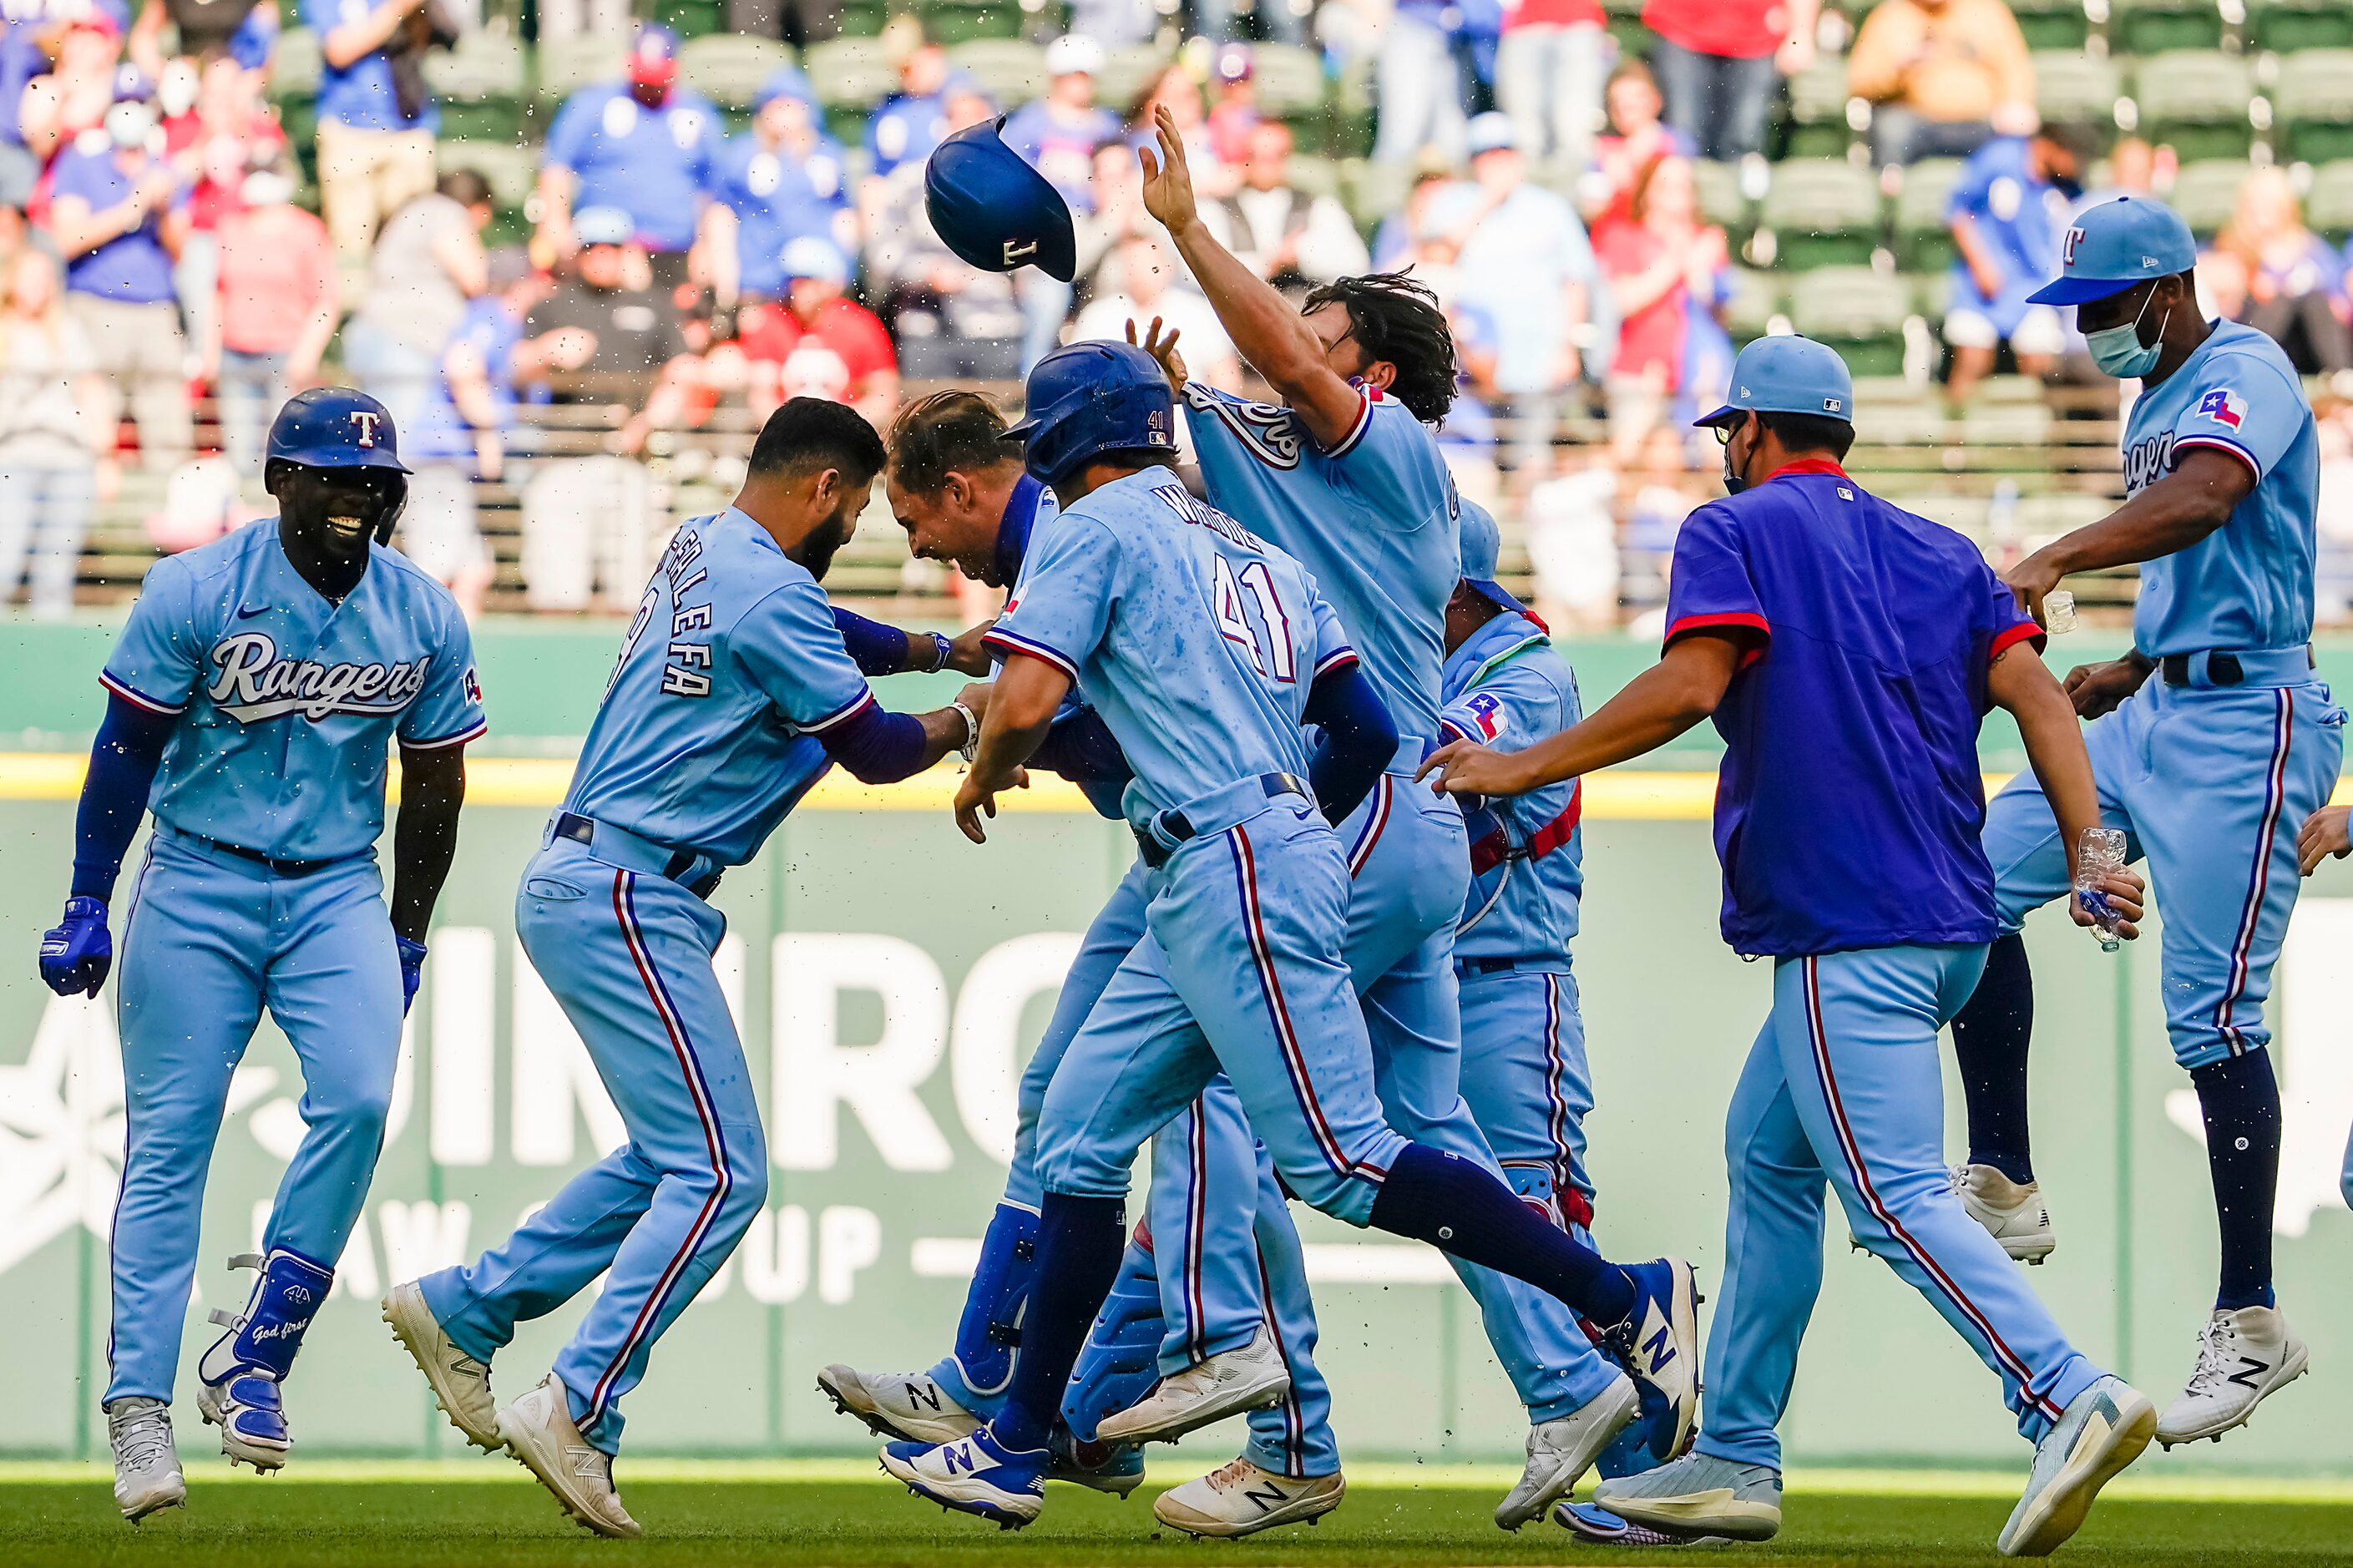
<point>461,1384</point>
<point>975,1475</point>
<point>1596,1526</point>
<point>2015,1216</point>
<point>2102,1430</point>
<point>1113,1467</point>
<point>146,1462</point>
<point>1250,1378</point>
<point>2244,1357</point>
<point>1699,1495</point>
<point>909,1406</point>
<point>537,1429</point>
<point>1241,1500</point>
<point>1658,1340</point>
<point>1561,1451</point>
<point>249,1409</point>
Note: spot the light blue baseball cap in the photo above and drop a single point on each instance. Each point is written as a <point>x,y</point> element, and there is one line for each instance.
<point>1483,547</point>
<point>1788,374</point>
<point>2115,246</point>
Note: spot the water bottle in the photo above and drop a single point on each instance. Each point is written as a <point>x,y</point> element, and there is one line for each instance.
<point>2059,612</point>
<point>2100,852</point>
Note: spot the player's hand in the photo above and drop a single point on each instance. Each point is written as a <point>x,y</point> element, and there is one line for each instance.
<point>2032,580</point>
<point>976,799</point>
<point>2123,889</point>
<point>1465,767</point>
<point>1167,182</point>
<point>975,697</point>
<point>77,952</point>
<point>965,654</point>
<point>412,970</point>
<point>1161,347</point>
<point>2327,832</point>
<point>2097,689</point>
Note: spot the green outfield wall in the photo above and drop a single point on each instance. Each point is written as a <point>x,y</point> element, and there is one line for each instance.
<point>888,978</point>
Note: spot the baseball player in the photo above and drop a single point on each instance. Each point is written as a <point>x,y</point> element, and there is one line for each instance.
<point>2210,768</point>
<point>251,702</point>
<point>1847,651</point>
<point>730,696</point>
<point>1204,648</point>
<point>1347,476</point>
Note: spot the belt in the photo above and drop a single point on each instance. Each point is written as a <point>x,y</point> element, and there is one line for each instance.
<point>2240,666</point>
<point>282,867</point>
<point>634,852</point>
<point>1494,847</point>
<point>1479,968</point>
<point>1213,813</point>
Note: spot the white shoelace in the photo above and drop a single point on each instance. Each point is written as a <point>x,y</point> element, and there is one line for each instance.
<point>1232,1473</point>
<point>143,1437</point>
<point>2217,1342</point>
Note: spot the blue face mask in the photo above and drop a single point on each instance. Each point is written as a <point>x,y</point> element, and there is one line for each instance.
<point>2118,351</point>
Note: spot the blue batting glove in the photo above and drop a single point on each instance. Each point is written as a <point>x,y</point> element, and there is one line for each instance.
<point>412,970</point>
<point>76,951</point>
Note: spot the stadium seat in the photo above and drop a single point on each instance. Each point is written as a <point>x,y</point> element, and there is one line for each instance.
<point>1755,299</point>
<point>1817,111</point>
<point>2196,101</point>
<point>1373,190</point>
<point>294,67</point>
<point>1892,412</point>
<point>2329,205</point>
<point>728,68</point>
<point>513,170</point>
<point>851,76</point>
<point>1965,515</point>
<point>2050,515</point>
<point>1821,212</point>
<point>1857,311</point>
<point>1289,79</point>
<point>481,85</point>
<point>1988,423</point>
<point>1721,199</point>
<point>1624,20</point>
<point>954,22</point>
<point>1312,176</point>
<point>2204,192</point>
<point>2284,26</point>
<point>568,64</point>
<point>1923,241</point>
<point>2076,87</point>
<point>2053,24</point>
<point>691,18</point>
<point>2151,27</point>
<point>1012,71</point>
<point>2312,105</point>
<point>1126,73</point>
<point>863,18</point>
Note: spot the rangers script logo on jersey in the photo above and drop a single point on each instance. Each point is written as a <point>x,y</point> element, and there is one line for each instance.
<point>255,684</point>
<point>1270,431</point>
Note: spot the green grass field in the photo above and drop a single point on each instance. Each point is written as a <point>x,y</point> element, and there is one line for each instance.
<point>810,1514</point>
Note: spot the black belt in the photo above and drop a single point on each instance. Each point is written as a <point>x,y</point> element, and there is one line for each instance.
<point>1177,826</point>
<point>2222,669</point>
<point>1479,968</point>
<point>582,830</point>
<point>283,867</point>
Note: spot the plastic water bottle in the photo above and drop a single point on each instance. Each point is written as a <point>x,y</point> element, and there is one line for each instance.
<point>2100,851</point>
<point>2059,612</point>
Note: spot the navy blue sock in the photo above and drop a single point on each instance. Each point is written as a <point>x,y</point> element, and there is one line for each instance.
<point>1990,1035</point>
<point>1079,1244</point>
<point>2241,1099</point>
<point>1464,1210</point>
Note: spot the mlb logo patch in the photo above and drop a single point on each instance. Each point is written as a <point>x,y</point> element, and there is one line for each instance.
<point>1487,714</point>
<point>2224,406</point>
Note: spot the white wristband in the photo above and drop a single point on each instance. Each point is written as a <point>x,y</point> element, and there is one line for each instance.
<point>971,731</point>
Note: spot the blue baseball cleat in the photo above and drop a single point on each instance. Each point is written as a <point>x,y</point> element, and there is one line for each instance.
<point>975,1475</point>
<point>1659,1342</point>
<point>2102,1430</point>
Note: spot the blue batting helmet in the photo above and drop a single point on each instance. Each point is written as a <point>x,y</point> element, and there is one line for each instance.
<point>1090,398</point>
<point>990,207</point>
<point>335,428</point>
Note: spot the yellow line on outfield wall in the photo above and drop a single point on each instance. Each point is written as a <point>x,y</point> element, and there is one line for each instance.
<point>1613,796</point>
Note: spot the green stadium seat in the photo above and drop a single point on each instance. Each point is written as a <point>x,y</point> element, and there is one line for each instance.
<point>1821,212</point>
<point>2053,24</point>
<point>2204,192</point>
<point>1818,127</point>
<point>954,22</point>
<point>567,65</point>
<point>2196,101</point>
<point>1892,412</point>
<point>2076,87</point>
<point>2011,389</point>
<point>294,67</point>
<point>2055,512</point>
<point>1970,516</point>
<point>728,68</point>
<point>1755,300</point>
<point>1312,176</point>
<point>1922,242</point>
<point>691,18</point>
<point>2329,205</point>
<point>1373,190</point>
<point>1624,20</point>
<point>864,18</point>
<point>1986,424</point>
<point>512,170</point>
<point>2312,105</point>
<point>1857,311</point>
<point>1289,79</point>
<point>2284,26</point>
<point>1127,72</point>
<point>1721,199</point>
<point>2152,27</point>
<point>1013,70</point>
<point>481,85</point>
<point>851,73</point>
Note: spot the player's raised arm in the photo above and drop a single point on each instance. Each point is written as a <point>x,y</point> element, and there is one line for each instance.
<point>2170,514</point>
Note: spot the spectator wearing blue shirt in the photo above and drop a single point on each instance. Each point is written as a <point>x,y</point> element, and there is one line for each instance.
<point>779,181</point>
<point>916,119</point>
<point>643,145</point>
<point>1059,134</point>
<point>2005,214</point>
<point>376,122</point>
<point>119,218</point>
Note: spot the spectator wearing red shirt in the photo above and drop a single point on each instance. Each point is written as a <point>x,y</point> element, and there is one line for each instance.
<point>1717,60</point>
<point>1661,265</point>
<point>1548,67</point>
<point>820,343</point>
<point>279,304</point>
<point>1636,139</point>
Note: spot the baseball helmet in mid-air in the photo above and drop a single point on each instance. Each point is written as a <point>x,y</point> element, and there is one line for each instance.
<point>335,428</point>
<point>994,210</point>
<point>1089,398</point>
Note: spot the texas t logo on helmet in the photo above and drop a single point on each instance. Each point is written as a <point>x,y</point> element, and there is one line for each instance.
<point>993,210</point>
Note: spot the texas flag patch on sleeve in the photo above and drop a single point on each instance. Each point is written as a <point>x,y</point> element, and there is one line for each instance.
<point>2224,406</point>
<point>1486,711</point>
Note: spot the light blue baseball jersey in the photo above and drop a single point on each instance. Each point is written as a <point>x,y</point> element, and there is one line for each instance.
<point>288,704</point>
<point>2248,584</point>
<point>1196,640</point>
<point>1375,520</point>
<point>1506,688</point>
<point>730,671</point>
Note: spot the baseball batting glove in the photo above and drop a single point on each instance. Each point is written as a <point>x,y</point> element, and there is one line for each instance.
<point>76,951</point>
<point>412,970</point>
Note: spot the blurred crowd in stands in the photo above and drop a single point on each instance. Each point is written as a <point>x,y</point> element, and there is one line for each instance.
<point>166,249</point>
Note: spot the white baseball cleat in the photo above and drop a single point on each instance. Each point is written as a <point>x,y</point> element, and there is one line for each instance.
<point>538,1431</point>
<point>1241,1500</point>
<point>146,1461</point>
<point>2242,1357</point>
<point>462,1385</point>
<point>1560,1451</point>
<point>2103,1429</point>
<point>910,1406</point>
<point>2015,1216</point>
<point>1227,1383</point>
<point>1699,1495</point>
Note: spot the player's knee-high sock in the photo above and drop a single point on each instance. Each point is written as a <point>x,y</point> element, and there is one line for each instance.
<point>1460,1209</point>
<point>1990,1035</point>
<point>2241,1098</point>
<point>1078,1245</point>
